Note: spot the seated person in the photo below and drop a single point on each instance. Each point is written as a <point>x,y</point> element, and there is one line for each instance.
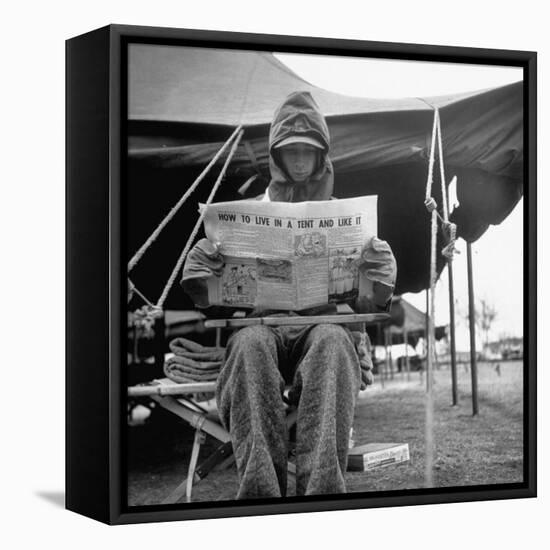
<point>321,362</point>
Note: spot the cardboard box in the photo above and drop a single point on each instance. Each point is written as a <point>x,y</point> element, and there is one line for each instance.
<point>375,455</point>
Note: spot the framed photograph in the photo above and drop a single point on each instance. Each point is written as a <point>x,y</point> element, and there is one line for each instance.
<point>301,274</point>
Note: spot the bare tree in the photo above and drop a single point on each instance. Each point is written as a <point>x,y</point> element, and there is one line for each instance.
<point>485,315</point>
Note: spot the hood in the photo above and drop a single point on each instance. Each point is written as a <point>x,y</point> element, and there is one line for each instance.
<point>299,115</point>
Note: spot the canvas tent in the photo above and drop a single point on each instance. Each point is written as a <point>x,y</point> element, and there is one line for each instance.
<point>183,103</point>
<point>407,321</point>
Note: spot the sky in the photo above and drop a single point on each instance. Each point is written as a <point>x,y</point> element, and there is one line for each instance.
<point>498,254</point>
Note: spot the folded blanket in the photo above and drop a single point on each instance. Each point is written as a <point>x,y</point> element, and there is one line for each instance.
<point>193,362</point>
<point>182,377</point>
<point>188,348</point>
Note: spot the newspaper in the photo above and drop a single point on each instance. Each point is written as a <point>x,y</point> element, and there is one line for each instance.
<point>289,256</point>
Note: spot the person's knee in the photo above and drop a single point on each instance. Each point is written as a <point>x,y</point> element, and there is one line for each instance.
<point>254,338</point>
<point>250,363</point>
<point>251,350</point>
<point>330,336</point>
<point>329,343</point>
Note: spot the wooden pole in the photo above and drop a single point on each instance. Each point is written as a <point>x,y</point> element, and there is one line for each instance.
<point>430,315</point>
<point>135,355</point>
<point>159,341</point>
<point>471,311</point>
<point>379,331</point>
<point>387,357</point>
<point>452,333</point>
<point>427,329</point>
<point>305,320</point>
<point>454,383</point>
<point>390,340</point>
<point>407,364</point>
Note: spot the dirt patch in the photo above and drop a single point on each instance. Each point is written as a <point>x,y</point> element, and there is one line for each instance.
<point>480,450</point>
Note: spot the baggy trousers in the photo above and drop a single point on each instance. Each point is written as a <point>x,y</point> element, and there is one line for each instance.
<point>321,365</point>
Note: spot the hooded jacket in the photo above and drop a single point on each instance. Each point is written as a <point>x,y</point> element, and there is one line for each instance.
<point>299,115</point>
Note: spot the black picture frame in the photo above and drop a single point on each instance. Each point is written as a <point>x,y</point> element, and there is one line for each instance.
<point>96,92</point>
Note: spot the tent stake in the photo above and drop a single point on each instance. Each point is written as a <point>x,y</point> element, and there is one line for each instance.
<point>471,310</point>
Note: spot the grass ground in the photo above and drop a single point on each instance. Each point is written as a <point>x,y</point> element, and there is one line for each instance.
<point>485,449</point>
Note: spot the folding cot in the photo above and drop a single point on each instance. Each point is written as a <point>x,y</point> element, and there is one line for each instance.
<point>181,398</point>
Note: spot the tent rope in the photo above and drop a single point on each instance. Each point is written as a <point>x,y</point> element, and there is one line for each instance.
<point>442,168</point>
<point>142,296</point>
<point>138,255</point>
<point>191,239</point>
<point>449,230</point>
<point>431,161</point>
<point>430,357</point>
<point>431,207</point>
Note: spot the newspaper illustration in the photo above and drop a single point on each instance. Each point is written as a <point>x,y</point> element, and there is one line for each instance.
<point>289,256</point>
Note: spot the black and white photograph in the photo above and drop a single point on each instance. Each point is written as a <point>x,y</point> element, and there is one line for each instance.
<point>274,275</point>
<point>325,266</point>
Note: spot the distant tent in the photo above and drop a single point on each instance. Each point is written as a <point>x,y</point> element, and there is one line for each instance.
<point>184,102</point>
<point>410,321</point>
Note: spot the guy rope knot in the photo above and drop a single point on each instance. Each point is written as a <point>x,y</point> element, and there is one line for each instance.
<point>144,319</point>
<point>430,204</point>
<point>449,231</point>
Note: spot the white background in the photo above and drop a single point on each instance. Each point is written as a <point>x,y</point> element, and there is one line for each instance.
<point>32,274</point>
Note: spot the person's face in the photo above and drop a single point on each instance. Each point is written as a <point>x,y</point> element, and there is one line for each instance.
<point>299,160</point>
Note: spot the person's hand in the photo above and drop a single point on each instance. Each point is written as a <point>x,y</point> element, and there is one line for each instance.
<point>363,348</point>
<point>367,378</point>
<point>203,261</point>
<point>377,263</point>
